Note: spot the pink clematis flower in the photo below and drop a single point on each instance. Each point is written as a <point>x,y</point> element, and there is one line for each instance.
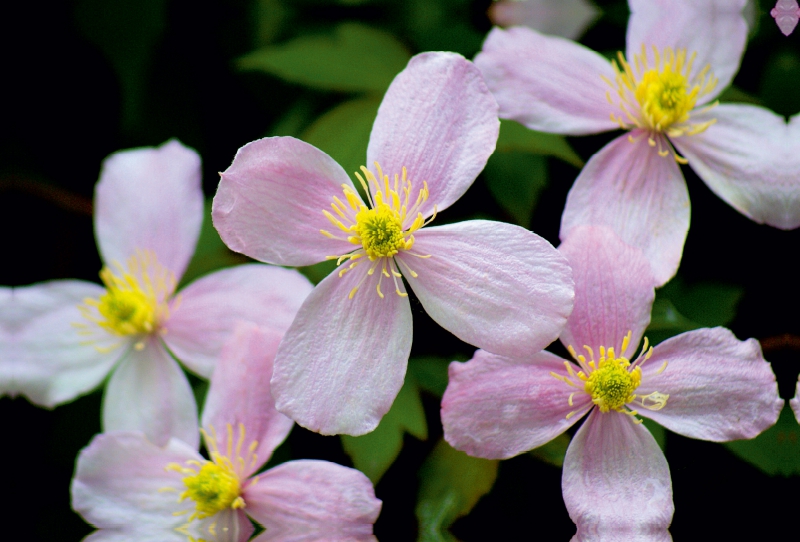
<point>567,18</point>
<point>786,14</point>
<point>680,55</point>
<point>136,491</point>
<point>494,285</point>
<point>703,384</point>
<point>148,213</point>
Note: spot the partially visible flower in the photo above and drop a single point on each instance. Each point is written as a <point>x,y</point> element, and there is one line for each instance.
<point>10,319</point>
<point>703,384</point>
<point>786,14</point>
<point>491,284</point>
<point>148,213</point>
<point>135,491</point>
<point>567,18</point>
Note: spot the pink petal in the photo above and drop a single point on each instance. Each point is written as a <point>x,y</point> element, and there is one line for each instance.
<point>494,285</point>
<point>240,394</point>
<point>313,500</point>
<point>613,290</point>
<point>616,481</point>
<point>713,29</point>
<point>11,319</point>
<point>270,200</point>
<point>342,361</point>
<point>439,121</point>
<point>150,198</point>
<point>566,18</point>
<point>794,402</point>
<point>786,14</point>
<point>719,388</point>
<point>750,159</point>
<point>497,407</point>
<point>209,308</point>
<point>148,392</point>
<point>547,83</point>
<point>637,193</point>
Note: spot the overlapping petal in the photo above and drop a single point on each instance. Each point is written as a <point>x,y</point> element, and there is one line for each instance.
<point>547,83</point>
<point>496,407</point>
<point>640,195</point>
<point>494,285</point>
<point>566,18</point>
<point>270,200</point>
<point>152,199</point>
<point>10,319</point>
<point>342,361</point>
<point>719,388</point>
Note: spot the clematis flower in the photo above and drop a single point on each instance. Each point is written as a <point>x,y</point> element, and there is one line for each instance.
<point>786,14</point>
<point>495,285</point>
<point>567,18</point>
<point>136,491</point>
<point>703,384</point>
<point>680,55</point>
<point>148,213</point>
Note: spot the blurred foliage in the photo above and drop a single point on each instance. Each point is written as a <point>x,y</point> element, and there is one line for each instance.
<point>554,451</point>
<point>781,80</point>
<point>431,373</point>
<point>776,450</point>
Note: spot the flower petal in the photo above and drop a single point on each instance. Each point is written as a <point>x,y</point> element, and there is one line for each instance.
<point>439,121</point>
<point>11,319</point>
<point>270,200</point>
<point>566,18</point>
<point>150,198</point>
<point>148,392</point>
<point>613,290</point>
<point>496,407</point>
<point>547,83</point>
<point>750,159</point>
<point>494,285</point>
<point>342,361</point>
<point>720,388</point>
<point>313,500</point>
<point>714,30</point>
<point>240,393</point>
<point>794,402</point>
<point>206,312</point>
<point>616,481</point>
<point>637,193</point>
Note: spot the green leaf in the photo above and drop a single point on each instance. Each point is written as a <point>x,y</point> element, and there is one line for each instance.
<point>315,273</point>
<point>430,373</point>
<point>780,81</point>
<point>451,482</point>
<point>776,450</point>
<point>375,452</point>
<point>554,451</point>
<point>356,58</point>
<point>516,180</point>
<point>516,137</point>
<point>736,95</point>
<point>658,432</point>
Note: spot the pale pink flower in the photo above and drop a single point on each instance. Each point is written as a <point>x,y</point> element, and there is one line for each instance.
<point>567,18</point>
<point>491,284</point>
<point>703,384</point>
<point>148,213</point>
<point>680,55</point>
<point>786,14</point>
<point>136,491</point>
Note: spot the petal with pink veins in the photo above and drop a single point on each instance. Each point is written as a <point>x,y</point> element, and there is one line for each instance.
<point>616,481</point>
<point>496,407</point>
<point>150,198</point>
<point>548,83</point>
<point>640,195</point>
<point>439,121</point>
<point>205,313</point>
<point>269,202</point>
<point>343,361</point>
<point>491,284</point>
<point>720,388</point>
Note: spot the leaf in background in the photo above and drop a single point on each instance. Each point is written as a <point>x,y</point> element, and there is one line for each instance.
<point>516,137</point>
<point>375,452</point>
<point>776,450</point>
<point>658,432</point>
<point>356,58</point>
<point>780,81</point>
<point>315,273</point>
<point>269,18</point>
<point>451,482</point>
<point>554,451</point>
<point>516,180</point>
<point>430,373</point>
<point>734,94</point>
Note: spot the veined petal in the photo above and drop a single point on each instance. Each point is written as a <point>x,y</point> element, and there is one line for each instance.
<point>148,392</point>
<point>270,200</point>
<point>150,198</point>
<point>343,361</point>
<point>496,407</point>
<point>640,195</point>
<point>547,83</point>
<point>240,394</point>
<point>613,290</point>
<point>714,30</point>
<point>439,121</point>
<point>616,481</point>
<point>494,285</point>
<point>750,158</point>
<point>720,388</point>
<point>205,313</point>
<point>313,500</point>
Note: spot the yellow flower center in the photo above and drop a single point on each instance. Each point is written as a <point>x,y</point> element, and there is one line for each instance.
<point>380,231</point>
